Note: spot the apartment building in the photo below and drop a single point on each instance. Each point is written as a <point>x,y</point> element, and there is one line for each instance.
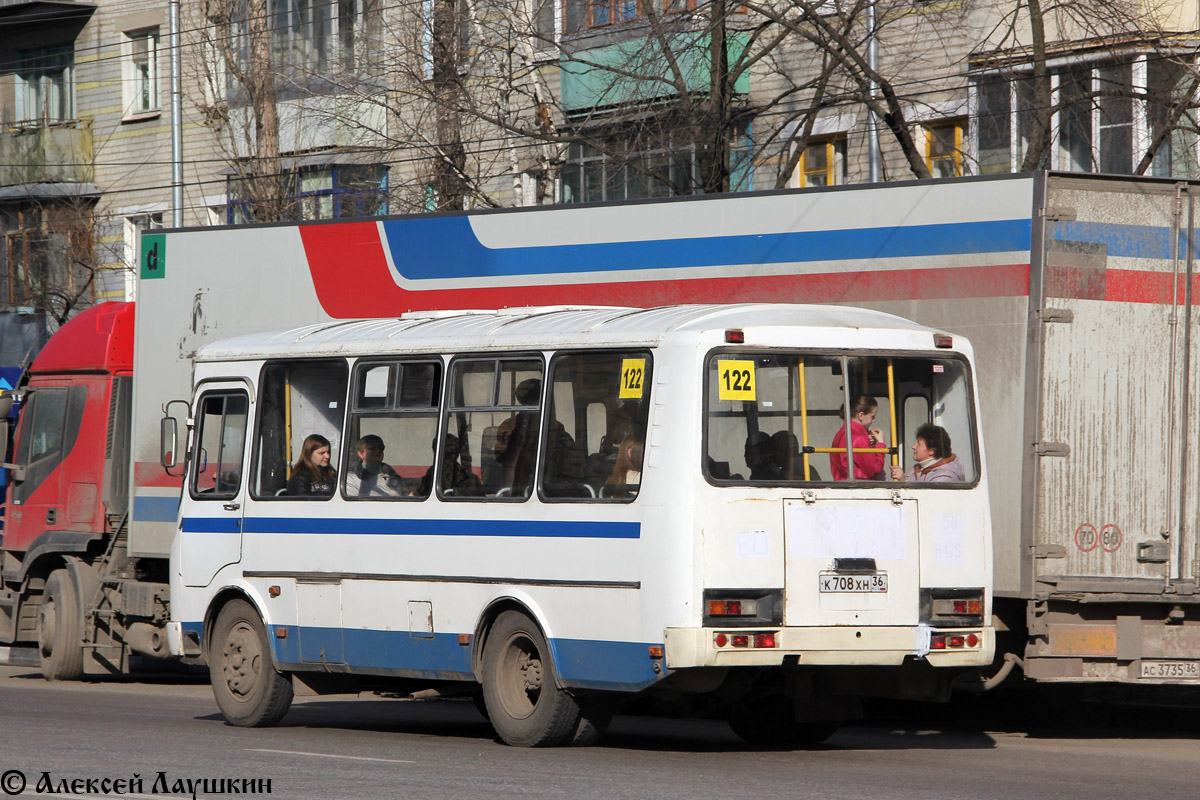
<point>377,106</point>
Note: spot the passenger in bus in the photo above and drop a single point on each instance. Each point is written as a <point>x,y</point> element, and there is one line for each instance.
<point>760,458</point>
<point>867,466</point>
<point>457,480</point>
<point>934,462</point>
<point>788,457</point>
<point>516,440</point>
<point>627,472</point>
<point>369,475</point>
<point>312,474</point>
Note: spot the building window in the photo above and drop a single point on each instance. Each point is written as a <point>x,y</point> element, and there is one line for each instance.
<point>1096,124</point>
<point>1075,119</point>
<point>579,15</point>
<point>134,225</point>
<point>943,149</point>
<point>645,164</point>
<point>994,125</point>
<point>823,163</point>
<point>318,192</point>
<point>1115,104</point>
<point>310,39</point>
<point>141,75</point>
<point>45,83</point>
<point>1168,81</point>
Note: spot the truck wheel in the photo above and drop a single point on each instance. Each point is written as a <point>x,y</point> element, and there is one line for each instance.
<point>249,690</point>
<point>771,722</point>
<point>59,629</point>
<point>524,703</point>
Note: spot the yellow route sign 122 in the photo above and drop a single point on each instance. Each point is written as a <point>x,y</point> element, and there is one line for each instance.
<point>735,380</point>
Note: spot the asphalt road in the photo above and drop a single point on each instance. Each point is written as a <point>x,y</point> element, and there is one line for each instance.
<point>369,747</point>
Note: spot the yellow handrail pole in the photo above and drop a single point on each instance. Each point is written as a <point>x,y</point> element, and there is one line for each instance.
<point>287,418</point>
<point>892,405</point>
<point>803,418</point>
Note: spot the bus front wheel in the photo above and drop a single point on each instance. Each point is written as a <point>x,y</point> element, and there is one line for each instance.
<point>249,690</point>
<point>60,629</point>
<point>524,703</point>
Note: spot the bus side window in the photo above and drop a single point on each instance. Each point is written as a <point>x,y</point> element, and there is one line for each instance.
<point>495,414</point>
<point>596,434</point>
<point>393,426</point>
<point>296,399</point>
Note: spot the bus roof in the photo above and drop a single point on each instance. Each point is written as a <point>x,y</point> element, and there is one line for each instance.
<point>551,326</point>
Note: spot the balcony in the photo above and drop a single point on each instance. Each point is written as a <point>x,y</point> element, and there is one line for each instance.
<point>39,152</point>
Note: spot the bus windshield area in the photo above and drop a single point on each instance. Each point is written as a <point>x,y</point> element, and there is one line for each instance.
<point>798,418</point>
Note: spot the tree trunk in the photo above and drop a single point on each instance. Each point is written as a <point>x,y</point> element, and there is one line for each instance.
<point>451,163</point>
<point>1041,113</point>
<point>267,179</point>
<point>715,131</point>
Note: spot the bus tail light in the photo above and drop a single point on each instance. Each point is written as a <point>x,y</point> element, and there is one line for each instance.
<point>733,608</point>
<point>943,340</point>
<point>954,608</point>
<point>742,608</point>
<point>953,641</point>
<point>762,640</point>
<point>735,337</point>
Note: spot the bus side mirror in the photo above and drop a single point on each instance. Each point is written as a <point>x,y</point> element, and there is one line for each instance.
<point>168,441</point>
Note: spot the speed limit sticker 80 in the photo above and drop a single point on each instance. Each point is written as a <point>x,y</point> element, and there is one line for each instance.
<point>1108,538</point>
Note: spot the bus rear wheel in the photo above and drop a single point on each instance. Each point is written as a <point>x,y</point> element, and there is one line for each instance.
<point>250,692</point>
<point>60,629</point>
<point>524,703</point>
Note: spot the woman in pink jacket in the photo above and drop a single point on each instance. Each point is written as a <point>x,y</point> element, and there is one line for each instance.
<point>867,466</point>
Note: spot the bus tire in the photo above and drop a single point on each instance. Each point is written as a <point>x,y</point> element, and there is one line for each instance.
<point>250,692</point>
<point>772,723</point>
<point>60,629</point>
<point>524,703</point>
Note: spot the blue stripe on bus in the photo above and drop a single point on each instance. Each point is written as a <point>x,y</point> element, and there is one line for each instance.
<point>447,247</point>
<point>211,524</point>
<point>581,663</point>
<point>155,509</point>
<point>583,529</point>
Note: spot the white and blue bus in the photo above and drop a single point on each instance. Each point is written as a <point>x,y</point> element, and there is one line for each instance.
<point>556,507</point>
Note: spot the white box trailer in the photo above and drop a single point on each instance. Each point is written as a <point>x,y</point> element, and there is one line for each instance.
<point>1077,293</point>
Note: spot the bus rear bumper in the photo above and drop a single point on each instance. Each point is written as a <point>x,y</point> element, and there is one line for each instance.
<point>828,646</point>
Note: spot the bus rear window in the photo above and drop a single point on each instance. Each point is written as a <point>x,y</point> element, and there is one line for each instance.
<point>784,418</point>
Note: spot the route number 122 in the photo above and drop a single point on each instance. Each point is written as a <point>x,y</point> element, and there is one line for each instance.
<point>633,378</point>
<point>735,380</point>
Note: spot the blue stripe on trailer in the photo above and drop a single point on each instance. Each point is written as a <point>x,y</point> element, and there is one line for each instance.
<point>155,509</point>
<point>556,529</point>
<point>446,247</point>
<point>1125,241</point>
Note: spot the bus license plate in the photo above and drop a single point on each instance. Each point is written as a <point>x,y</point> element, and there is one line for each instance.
<point>1179,670</point>
<point>854,584</point>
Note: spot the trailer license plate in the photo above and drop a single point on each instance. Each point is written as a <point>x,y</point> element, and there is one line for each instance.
<point>1179,670</point>
<point>856,584</point>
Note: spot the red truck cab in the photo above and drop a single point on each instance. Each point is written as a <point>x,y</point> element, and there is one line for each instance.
<point>69,489</point>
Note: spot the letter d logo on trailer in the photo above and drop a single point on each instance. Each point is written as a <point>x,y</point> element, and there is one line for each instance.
<point>154,256</point>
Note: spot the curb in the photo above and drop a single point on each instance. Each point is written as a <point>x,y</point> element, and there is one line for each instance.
<point>19,657</point>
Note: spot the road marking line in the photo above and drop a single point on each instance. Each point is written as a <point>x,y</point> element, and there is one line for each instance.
<point>328,755</point>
